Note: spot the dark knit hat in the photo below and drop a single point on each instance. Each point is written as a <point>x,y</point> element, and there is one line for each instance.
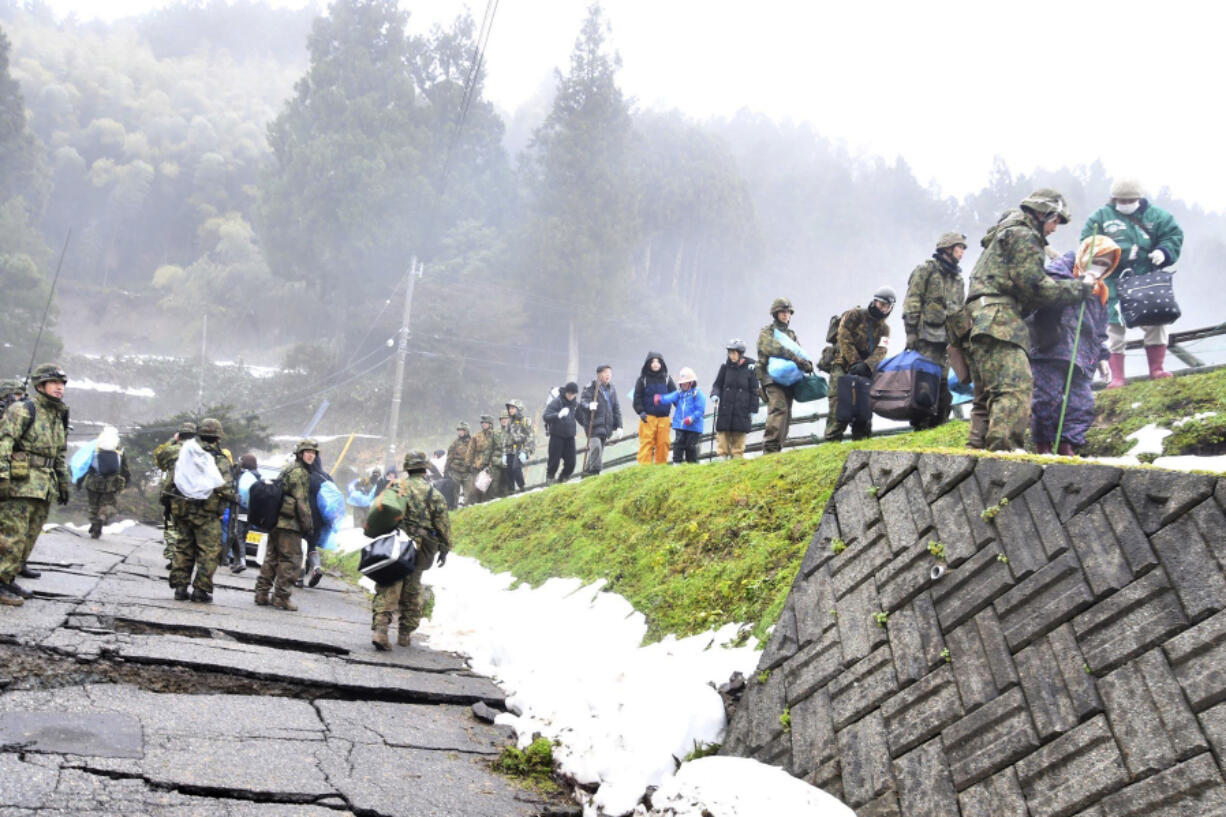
<point>571,388</point>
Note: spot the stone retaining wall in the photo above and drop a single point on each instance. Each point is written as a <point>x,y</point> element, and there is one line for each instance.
<point>1071,660</point>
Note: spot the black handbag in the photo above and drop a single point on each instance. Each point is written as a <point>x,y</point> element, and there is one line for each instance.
<point>1147,299</point>
<point>389,558</point>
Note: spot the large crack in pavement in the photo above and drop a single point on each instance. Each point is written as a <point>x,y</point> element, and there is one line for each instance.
<point>230,709</point>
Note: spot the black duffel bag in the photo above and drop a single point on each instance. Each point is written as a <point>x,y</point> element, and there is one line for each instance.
<point>389,558</point>
<point>1147,299</point>
<point>853,406</point>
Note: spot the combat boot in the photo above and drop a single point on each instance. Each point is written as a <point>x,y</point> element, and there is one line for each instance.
<point>403,638</point>
<point>180,594</point>
<point>201,595</point>
<point>261,599</point>
<point>31,573</point>
<point>95,530</point>
<point>285,604</point>
<point>316,572</point>
<point>18,590</point>
<point>9,598</point>
<point>379,639</point>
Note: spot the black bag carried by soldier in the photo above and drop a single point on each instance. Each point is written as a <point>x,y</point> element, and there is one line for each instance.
<point>389,558</point>
<point>264,504</point>
<point>106,463</point>
<point>854,406</point>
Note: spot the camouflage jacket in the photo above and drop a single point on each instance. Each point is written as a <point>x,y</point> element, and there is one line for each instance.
<point>519,435</point>
<point>35,442</point>
<point>165,456</point>
<point>485,445</point>
<point>1009,280</point>
<point>499,447</point>
<point>295,512</point>
<point>860,339</point>
<point>459,457</point>
<point>113,484</point>
<point>934,292</point>
<point>768,347</point>
<point>425,519</point>
<point>215,505</point>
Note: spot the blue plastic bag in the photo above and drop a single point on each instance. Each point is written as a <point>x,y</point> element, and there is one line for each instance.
<point>358,499</point>
<point>331,502</point>
<point>782,370</point>
<point>327,539</point>
<point>82,458</point>
<point>961,392</point>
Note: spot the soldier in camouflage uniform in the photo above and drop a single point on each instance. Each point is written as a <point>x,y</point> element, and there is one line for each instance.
<point>425,520</point>
<point>459,459</point>
<point>33,471</point>
<point>500,485</point>
<point>518,444</point>
<point>283,560</point>
<point>481,457</point>
<point>197,524</point>
<point>102,492</point>
<point>777,397</point>
<point>1008,280</point>
<point>860,346</point>
<point>935,292</point>
<point>10,392</point>
<point>165,456</point>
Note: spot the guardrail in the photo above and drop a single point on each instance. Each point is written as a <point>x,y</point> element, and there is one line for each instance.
<point>622,451</point>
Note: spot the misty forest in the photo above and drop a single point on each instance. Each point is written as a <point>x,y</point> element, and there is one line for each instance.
<point>246,188</point>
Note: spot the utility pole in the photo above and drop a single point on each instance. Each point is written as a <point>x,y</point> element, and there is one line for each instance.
<point>204,361</point>
<point>402,351</point>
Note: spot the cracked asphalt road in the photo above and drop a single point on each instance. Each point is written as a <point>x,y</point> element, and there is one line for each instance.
<point>117,700</point>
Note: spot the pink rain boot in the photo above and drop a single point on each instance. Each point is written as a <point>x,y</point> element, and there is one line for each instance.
<point>1116,364</point>
<point>1155,355</point>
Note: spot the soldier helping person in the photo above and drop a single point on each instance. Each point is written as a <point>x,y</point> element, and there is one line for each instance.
<point>427,522</point>
<point>33,472</point>
<point>1008,279</point>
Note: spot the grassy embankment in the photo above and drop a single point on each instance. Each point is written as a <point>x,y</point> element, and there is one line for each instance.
<point>697,547</point>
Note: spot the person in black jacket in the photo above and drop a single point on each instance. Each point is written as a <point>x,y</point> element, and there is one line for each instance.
<point>654,426</point>
<point>600,415</point>
<point>560,421</point>
<point>735,393</point>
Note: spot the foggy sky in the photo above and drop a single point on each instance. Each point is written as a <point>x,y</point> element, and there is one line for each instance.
<point>945,86</point>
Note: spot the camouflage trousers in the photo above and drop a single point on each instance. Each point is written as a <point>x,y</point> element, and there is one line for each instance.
<point>282,564</point>
<point>102,506</point>
<point>778,418</point>
<point>170,539</point>
<point>1003,390</point>
<point>198,549</point>
<point>404,597</point>
<point>21,521</point>
<point>938,354</point>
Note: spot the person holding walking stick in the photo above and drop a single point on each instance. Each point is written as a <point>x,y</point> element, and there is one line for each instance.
<point>600,415</point>
<point>1067,344</point>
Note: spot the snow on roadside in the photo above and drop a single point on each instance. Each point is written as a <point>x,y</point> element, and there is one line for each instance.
<point>85,384</point>
<point>738,786</point>
<point>109,530</point>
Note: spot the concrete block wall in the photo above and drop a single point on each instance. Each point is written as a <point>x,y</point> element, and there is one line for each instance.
<point>1070,660</point>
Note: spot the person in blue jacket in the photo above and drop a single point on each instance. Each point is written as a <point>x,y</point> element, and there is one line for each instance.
<point>689,406</point>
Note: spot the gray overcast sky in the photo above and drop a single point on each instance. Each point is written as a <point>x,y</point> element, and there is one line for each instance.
<point>945,85</point>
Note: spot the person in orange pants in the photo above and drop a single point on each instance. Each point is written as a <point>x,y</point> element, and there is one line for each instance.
<point>654,425</point>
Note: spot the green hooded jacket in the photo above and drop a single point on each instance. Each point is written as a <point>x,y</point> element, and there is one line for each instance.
<point>1157,231</point>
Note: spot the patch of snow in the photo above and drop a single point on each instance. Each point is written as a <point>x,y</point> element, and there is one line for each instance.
<point>109,530</point>
<point>739,787</point>
<point>1146,440</point>
<point>1194,418</point>
<point>326,438</point>
<point>85,384</point>
<point>1136,405</point>
<point>260,372</point>
<point>1193,463</point>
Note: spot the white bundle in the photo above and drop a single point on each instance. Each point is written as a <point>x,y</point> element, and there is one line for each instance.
<point>196,473</point>
<point>108,440</point>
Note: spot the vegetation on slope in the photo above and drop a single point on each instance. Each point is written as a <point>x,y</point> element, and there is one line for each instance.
<point>690,547</point>
<point>1169,404</point>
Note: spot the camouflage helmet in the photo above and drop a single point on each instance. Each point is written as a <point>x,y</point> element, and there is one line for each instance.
<point>735,345</point>
<point>11,386</point>
<point>504,416</point>
<point>306,444</point>
<point>209,427</point>
<point>950,240</point>
<point>886,294</point>
<point>487,418</point>
<point>1047,202</point>
<point>187,427</point>
<point>416,461</point>
<point>47,373</point>
<point>462,426</point>
<point>780,304</point>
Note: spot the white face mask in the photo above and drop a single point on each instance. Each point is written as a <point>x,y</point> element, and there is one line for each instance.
<point>1127,209</point>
